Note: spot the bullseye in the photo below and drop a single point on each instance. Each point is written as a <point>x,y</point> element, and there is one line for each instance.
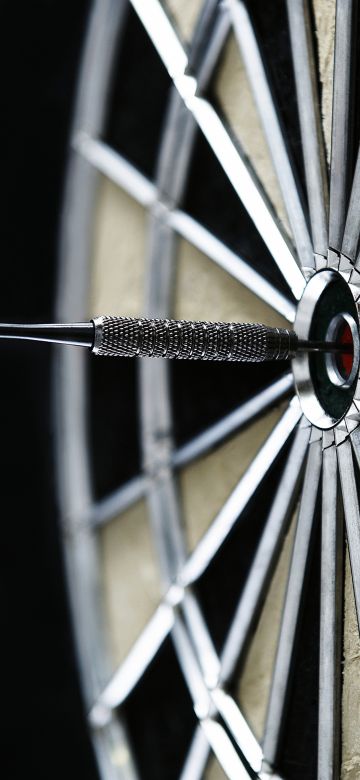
<point>345,361</point>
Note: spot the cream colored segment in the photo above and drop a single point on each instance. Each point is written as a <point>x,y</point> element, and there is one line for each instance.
<point>118,266</point>
<point>324,12</point>
<point>204,291</point>
<point>350,769</point>
<point>206,484</point>
<point>254,685</point>
<point>130,582</point>
<point>185,14</point>
<point>214,771</point>
<point>234,94</point>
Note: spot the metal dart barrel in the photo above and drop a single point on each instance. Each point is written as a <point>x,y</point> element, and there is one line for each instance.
<point>191,340</point>
<point>181,339</point>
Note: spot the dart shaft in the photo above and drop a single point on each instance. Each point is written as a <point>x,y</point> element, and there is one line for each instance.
<point>75,333</point>
<point>144,337</point>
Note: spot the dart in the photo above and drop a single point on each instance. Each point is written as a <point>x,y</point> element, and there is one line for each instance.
<point>180,339</point>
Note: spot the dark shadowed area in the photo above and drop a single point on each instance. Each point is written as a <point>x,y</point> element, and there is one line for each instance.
<point>44,733</point>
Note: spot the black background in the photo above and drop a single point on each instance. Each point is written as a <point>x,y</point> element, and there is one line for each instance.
<point>43,732</point>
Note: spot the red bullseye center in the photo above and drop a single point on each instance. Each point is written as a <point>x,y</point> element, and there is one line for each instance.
<point>344,361</point>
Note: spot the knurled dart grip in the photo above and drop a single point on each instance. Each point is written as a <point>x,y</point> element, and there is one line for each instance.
<point>230,341</point>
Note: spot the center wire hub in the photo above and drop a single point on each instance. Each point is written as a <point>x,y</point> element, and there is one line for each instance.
<point>326,381</point>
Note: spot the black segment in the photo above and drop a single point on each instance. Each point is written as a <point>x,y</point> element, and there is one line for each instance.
<point>220,587</point>
<point>211,199</point>
<point>203,393</point>
<point>160,718</point>
<point>113,423</point>
<point>270,22</point>
<point>298,752</point>
<point>138,98</point>
<point>354,95</point>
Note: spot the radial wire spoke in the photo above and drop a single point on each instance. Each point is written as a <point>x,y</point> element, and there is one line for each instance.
<point>330,620</point>
<point>241,495</point>
<point>208,40</point>
<point>276,712</point>
<point>229,156</point>
<point>341,135</point>
<point>310,122</point>
<point>273,133</point>
<point>352,225</point>
<point>351,508</point>
<point>266,555</point>
<point>249,191</point>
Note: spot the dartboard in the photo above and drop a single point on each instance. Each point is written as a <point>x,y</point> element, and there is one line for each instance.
<point>210,511</point>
